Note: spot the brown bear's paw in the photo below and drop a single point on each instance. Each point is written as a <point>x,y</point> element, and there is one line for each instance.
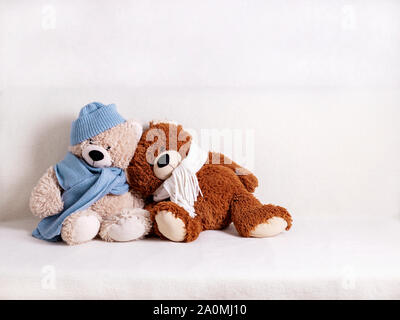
<point>131,224</point>
<point>80,227</point>
<point>174,223</point>
<point>263,221</point>
<point>170,227</point>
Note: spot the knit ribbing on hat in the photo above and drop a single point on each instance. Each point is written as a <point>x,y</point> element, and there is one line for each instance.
<point>97,120</point>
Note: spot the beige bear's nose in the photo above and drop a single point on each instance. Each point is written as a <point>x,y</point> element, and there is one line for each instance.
<point>96,155</point>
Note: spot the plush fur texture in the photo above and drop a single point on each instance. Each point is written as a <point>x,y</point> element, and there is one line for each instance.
<point>46,199</point>
<point>114,228</point>
<point>120,141</point>
<point>156,139</point>
<point>80,227</point>
<point>111,205</point>
<point>227,188</point>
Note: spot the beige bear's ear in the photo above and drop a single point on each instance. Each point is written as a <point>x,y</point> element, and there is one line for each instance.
<point>137,127</point>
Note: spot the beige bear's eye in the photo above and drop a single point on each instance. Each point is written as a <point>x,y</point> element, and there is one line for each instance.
<point>108,148</point>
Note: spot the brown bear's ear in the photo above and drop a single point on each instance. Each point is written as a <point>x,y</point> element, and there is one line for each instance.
<point>155,123</point>
<point>184,143</point>
<point>184,135</point>
<point>176,138</point>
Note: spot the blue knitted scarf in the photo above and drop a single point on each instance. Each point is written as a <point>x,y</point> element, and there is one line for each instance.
<point>83,185</point>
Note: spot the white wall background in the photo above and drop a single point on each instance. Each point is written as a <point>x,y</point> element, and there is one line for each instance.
<point>318,81</point>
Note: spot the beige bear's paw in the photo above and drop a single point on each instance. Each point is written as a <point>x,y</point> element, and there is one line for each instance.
<point>272,227</point>
<point>131,224</point>
<point>80,227</point>
<point>170,226</point>
<point>46,198</point>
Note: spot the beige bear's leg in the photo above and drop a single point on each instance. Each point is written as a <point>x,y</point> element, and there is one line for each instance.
<point>80,227</point>
<point>131,224</point>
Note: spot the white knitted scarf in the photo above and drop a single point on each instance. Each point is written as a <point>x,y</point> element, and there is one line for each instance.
<point>182,187</point>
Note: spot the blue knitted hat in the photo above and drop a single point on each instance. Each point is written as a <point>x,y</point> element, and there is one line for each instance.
<point>94,119</point>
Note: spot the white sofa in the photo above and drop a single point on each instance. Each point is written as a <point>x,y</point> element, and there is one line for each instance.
<point>318,259</point>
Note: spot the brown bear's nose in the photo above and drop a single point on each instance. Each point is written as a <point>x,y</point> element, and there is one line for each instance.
<point>96,155</point>
<point>163,161</point>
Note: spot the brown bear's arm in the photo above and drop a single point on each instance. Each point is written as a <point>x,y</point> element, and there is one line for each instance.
<point>248,179</point>
<point>46,196</point>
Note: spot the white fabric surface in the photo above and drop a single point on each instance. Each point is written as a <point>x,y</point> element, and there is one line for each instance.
<point>318,259</point>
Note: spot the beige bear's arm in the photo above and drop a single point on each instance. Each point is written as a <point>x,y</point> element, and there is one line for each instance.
<point>138,202</point>
<point>46,196</point>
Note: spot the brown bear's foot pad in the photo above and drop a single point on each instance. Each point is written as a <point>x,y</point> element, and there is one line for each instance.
<point>131,224</point>
<point>80,227</point>
<point>174,223</point>
<point>271,228</point>
<point>170,226</point>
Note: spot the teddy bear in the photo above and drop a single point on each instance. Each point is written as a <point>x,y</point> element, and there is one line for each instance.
<point>189,190</point>
<point>86,194</point>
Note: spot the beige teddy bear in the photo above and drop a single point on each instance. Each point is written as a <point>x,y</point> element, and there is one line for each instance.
<point>87,194</point>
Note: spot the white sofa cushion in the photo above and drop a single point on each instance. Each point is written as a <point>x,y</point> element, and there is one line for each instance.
<point>317,259</point>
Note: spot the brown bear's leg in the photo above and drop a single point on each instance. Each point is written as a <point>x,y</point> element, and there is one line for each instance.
<point>253,219</point>
<point>174,223</point>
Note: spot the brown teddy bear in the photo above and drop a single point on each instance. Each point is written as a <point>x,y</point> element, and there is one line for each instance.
<point>189,190</point>
<point>86,194</point>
